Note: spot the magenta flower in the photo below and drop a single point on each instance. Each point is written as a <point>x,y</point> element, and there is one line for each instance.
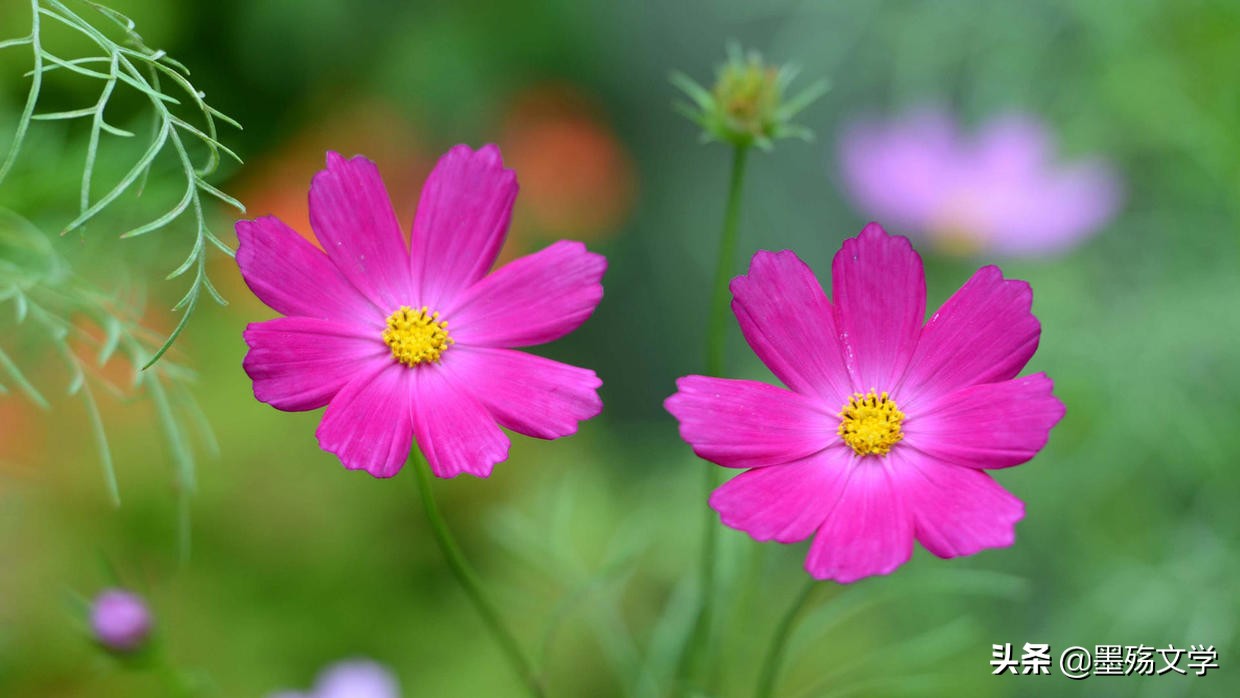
<point>888,424</point>
<point>408,340</point>
<point>998,192</point>
<point>120,620</point>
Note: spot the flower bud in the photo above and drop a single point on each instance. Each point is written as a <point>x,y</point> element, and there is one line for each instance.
<point>747,105</point>
<point>120,620</point>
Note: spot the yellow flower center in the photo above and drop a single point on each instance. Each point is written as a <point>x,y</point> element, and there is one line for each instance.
<point>870,423</point>
<point>416,336</point>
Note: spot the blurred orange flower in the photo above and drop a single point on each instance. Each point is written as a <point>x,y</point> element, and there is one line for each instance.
<point>577,179</point>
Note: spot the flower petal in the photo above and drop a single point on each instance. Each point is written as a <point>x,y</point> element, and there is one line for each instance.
<point>984,333</point>
<point>528,394</point>
<point>455,432</point>
<point>785,503</point>
<point>531,300</point>
<point>300,363</point>
<point>787,319</point>
<point>902,170</point>
<point>293,277</point>
<point>957,511</point>
<point>880,303</point>
<point>353,219</point>
<point>993,425</point>
<point>367,424</point>
<point>748,424</point>
<point>461,221</point>
<point>868,532</point>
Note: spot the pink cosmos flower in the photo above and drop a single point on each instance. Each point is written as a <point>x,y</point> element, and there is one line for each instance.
<point>998,192</point>
<point>408,339</point>
<point>888,424</point>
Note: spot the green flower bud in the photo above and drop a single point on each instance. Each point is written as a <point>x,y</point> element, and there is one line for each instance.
<point>747,105</point>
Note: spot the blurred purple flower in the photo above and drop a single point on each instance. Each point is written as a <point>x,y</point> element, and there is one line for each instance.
<point>998,191</point>
<point>350,678</point>
<point>120,620</point>
<point>356,678</point>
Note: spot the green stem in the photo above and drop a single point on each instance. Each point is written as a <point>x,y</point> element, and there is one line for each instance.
<point>469,579</point>
<point>716,337</point>
<point>177,683</point>
<point>783,632</point>
<point>716,344</point>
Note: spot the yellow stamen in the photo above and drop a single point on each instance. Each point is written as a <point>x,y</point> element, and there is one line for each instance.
<point>871,424</point>
<point>416,336</point>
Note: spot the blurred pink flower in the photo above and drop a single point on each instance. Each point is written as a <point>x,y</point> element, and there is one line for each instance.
<point>120,620</point>
<point>356,678</point>
<point>888,424</point>
<point>409,341</point>
<point>998,192</point>
<point>351,678</point>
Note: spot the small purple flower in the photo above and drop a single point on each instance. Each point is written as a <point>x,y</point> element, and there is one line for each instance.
<point>356,678</point>
<point>120,620</point>
<point>997,191</point>
<point>350,678</point>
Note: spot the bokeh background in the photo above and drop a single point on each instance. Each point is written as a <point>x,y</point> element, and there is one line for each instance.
<point>1131,535</point>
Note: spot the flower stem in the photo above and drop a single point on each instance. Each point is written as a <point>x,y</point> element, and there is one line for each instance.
<point>469,581</point>
<point>775,652</point>
<point>716,342</point>
<point>716,337</point>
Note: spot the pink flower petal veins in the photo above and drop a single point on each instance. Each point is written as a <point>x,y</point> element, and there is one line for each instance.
<point>957,510</point>
<point>993,425</point>
<point>747,424</point>
<point>460,224</point>
<point>880,303</point>
<point>367,424</point>
<point>785,503</point>
<point>788,321</point>
<point>531,300</point>
<point>293,277</point>
<point>528,394</point>
<point>300,363</point>
<point>454,430</point>
<point>984,333</point>
<point>353,219</point>
<point>869,531</point>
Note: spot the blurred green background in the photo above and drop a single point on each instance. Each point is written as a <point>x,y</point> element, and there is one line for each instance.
<point>1131,534</point>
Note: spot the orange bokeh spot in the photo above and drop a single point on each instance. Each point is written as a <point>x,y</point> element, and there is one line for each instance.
<point>577,179</point>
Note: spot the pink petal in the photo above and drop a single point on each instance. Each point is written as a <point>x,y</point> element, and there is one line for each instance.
<point>353,219</point>
<point>461,221</point>
<point>868,532</point>
<point>1014,146</point>
<point>993,425</point>
<point>880,302</point>
<point>787,319</point>
<point>747,424</point>
<point>300,363</point>
<point>957,511</point>
<point>984,333</point>
<point>786,503</point>
<point>531,300</point>
<point>902,171</point>
<point>528,394</point>
<point>367,424</point>
<point>293,277</point>
<point>455,432</point>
